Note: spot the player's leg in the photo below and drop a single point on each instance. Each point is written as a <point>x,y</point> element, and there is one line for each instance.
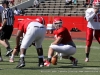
<point>15,52</point>
<point>70,50</point>
<point>38,44</point>
<point>65,49</point>
<point>50,54</point>
<point>26,42</point>
<point>89,38</point>
<point>1,59</point>
<point>5,35</point>
<point>97,35</point>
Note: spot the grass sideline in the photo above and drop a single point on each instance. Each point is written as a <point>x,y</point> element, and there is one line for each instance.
<point>63,67</point>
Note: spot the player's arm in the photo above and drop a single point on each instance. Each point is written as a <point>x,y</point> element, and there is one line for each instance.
<point>5,19</point>
<point>57,41</point>
<point>4,22</point>
<point>89,15</point>
<point>19,34</point>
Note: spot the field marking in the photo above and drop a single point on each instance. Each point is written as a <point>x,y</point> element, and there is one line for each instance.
<point>80,71</point>
<point>78,46</point>
<point>93,47</point>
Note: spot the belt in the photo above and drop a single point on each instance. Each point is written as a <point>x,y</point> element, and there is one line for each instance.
<point>38,27</point>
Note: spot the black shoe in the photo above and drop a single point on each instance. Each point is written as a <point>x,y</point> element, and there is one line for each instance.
<point>21,63</point>
<point>41,64</point>
<point>9,52</point>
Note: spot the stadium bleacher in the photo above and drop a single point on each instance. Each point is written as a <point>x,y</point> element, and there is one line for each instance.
<point>57,8</point>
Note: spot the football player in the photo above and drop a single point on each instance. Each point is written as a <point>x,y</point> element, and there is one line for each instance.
<point>92,16</point>
<point>34,31</point>
<point>63,43</point>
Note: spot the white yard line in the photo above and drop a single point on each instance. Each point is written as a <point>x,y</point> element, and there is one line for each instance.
<point>93,47</point>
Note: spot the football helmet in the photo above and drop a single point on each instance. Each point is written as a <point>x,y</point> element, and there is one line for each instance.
<point>40,20</point>
<point>57,22</point>
<point>96,4</point>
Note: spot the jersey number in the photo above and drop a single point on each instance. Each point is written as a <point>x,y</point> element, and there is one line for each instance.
<point>97,18</point>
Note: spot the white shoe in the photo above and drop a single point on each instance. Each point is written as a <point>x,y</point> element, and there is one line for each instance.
<point>86,59</point>
<point>1,59</point>
<point>11,60</point>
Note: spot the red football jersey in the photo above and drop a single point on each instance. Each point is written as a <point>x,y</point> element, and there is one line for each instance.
<point>23,24</point>
<point>64,33</point>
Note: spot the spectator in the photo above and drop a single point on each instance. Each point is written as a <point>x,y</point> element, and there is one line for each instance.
<point>68,2</point>
<point>19,1</point>
<point>21,11</point>
<point>7,26</point>
<point>90,4</point>
<point>11,2</point>
<point>36,3</point>
<point>16,11</point>
<point>34,32</point>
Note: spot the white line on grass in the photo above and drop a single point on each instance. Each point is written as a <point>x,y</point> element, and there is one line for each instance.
<point>81,71</point>
<point>93,47</point>
<point>80,46</point>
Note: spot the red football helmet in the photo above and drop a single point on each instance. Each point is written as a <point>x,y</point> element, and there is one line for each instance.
<point>96,3</point>
<point>40,20</point>
<point>57,22</point>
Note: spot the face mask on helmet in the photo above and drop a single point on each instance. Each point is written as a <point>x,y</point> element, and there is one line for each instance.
<point>96,4</point>
<point>57,23</point>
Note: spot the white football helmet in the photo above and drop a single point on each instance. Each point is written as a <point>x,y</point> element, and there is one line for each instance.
<point>96,4</point>
<point>57,22</point>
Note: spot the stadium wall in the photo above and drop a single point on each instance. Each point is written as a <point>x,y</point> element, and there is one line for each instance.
<point>68,21</point>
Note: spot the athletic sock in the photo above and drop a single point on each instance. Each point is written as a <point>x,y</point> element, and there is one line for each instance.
<point>87,55</point>
<point>49,59</point>
<point>8,48</point>
<point>71,58</point>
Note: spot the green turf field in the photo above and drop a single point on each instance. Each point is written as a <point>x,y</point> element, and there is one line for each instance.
<point>64,67</point>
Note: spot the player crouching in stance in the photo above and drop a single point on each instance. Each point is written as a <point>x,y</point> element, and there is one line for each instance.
<point>63,43</point>
<point>34,31</point>
<point>92,16</point>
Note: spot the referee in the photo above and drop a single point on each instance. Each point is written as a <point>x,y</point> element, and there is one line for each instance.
<point>6,26</point>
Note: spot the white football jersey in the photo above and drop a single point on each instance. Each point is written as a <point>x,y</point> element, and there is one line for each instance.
<point>92,19</point>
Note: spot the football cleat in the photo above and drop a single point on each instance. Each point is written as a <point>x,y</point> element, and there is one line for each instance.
<point>21,63</point>
<point>74,62</point>
<point>86,59</point>
<point>41,64</point>
<point>9,52</point>
<point>46,63</point>
<point>1,59</point>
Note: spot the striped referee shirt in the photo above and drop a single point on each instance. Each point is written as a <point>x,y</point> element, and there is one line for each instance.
<point>9,15</point>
